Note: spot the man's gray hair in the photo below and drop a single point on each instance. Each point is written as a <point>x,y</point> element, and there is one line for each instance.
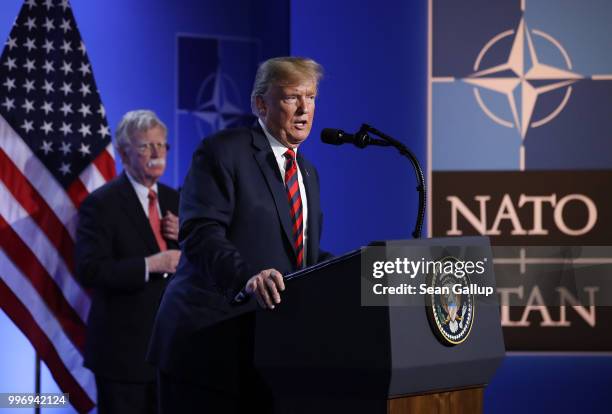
<point>283,70</point>
<point>140,120</point>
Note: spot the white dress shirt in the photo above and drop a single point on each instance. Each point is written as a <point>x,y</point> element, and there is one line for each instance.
<point>142,192</point>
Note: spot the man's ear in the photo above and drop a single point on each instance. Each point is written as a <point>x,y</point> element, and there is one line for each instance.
<point>260,104</point>
<point>122,154</point>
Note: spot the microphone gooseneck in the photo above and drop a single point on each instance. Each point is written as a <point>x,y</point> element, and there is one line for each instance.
<point>362,139</point>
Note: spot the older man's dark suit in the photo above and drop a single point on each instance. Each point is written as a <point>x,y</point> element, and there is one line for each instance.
<point>113,238</point>
<point>235,222</point>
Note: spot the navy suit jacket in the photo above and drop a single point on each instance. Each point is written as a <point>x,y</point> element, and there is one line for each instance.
<point>113,238</point>
<point>235,222</point>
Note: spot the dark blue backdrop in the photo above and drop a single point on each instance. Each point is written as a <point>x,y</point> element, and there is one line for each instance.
<point>375,60</point>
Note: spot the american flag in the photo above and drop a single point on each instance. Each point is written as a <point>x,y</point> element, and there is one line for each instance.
<point>55,148</point>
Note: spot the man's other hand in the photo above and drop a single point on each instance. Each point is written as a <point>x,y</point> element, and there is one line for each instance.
<point>163,262</point>
<point>170,226</point>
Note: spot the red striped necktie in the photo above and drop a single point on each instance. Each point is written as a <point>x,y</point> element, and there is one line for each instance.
<point>155,222</point>
<point>295,206</point>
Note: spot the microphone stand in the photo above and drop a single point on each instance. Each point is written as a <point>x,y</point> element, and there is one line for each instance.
<point>364,139</point>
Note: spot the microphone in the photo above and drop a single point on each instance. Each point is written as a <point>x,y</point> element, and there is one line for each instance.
<point>361,139</point>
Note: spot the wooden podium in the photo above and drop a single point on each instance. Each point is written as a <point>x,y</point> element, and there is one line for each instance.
<point>321,351</point>
<point>453,402</point>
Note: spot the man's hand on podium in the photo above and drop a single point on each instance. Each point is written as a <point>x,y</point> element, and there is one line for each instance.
<point>266,286</point>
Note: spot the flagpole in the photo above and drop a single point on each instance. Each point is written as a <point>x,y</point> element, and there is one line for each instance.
<point>37,381</point>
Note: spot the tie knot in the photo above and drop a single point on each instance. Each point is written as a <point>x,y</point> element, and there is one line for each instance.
<point>290,154</point>
<point>152,195</point>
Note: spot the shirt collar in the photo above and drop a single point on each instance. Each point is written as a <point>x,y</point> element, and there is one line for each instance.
<point>142,191</point>
<point>278,148</point>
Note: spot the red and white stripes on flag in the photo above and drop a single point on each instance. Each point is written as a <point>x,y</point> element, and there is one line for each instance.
<point>54,150</point>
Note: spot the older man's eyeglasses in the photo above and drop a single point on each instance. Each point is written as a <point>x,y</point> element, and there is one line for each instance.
<point>159,147</point>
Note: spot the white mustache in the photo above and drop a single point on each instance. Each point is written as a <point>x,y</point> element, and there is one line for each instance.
<point>157,162</point>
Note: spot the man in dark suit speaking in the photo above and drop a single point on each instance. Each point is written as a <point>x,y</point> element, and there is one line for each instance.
<point>249,212</point>
<point>126,247</point>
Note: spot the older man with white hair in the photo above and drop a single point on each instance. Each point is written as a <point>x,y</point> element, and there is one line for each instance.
<point>126,248</point>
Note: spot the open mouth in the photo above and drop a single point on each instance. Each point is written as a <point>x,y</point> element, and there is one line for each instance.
<point>300,124</point>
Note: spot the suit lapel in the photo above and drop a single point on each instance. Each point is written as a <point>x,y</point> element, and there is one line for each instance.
<point>269,168</point>
<point>165,204</point>
<point>133,210</point>
<point>312,197</point>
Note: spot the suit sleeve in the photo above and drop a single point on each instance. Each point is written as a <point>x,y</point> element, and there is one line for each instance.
<point>96,266</point>
<point>206,209</point>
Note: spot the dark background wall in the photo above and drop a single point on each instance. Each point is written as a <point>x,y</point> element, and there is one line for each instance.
<point>375,57</point>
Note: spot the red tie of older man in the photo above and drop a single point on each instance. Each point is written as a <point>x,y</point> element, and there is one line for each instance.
<point>155,222</point>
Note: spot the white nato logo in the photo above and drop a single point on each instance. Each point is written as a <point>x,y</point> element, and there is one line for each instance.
<point>218,103</point>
